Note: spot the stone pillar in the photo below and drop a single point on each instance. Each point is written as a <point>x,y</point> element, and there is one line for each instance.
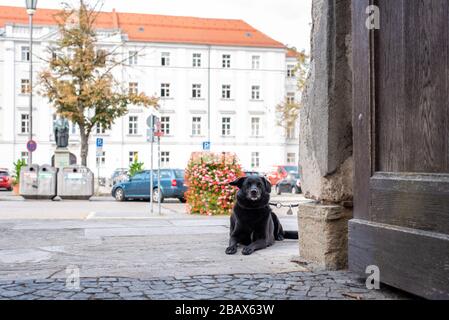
<point>326,137</point>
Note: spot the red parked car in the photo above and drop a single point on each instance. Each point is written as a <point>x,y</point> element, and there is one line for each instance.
<point>5,180</point>
<point>277,173</point>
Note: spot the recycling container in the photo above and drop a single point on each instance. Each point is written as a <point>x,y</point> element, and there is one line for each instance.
<point>29,181</point>
<point>75,182</point>
<point>46,182</point>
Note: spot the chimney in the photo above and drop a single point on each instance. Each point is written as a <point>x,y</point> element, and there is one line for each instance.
<point>115,19</point>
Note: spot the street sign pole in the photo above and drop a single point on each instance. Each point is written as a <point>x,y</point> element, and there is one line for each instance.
<point>151,174</point>
<point>99,153</point>
<point>159,173</point>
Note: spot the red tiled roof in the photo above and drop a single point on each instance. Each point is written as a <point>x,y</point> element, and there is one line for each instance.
<point>292,53</point>
<point>160,28</point>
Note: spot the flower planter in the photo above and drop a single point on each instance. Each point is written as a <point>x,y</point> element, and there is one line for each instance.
<point>15,189</point>
<point>208,176</point>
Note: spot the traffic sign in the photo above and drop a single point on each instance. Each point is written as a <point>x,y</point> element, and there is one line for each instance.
<point>151,121</point>
<point>31,146</point>
<point>99,142</point>
<point>206,145</point>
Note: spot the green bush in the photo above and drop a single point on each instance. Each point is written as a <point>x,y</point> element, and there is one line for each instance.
<point>135,167</point>
<point>18,165</point>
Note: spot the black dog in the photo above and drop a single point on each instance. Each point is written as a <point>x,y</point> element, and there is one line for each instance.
<point>253,224</point>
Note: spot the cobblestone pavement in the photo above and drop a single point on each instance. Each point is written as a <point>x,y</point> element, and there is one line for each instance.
<point>324,285</point>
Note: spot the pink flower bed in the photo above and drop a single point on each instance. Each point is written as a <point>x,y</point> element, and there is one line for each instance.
<point>207,177</point>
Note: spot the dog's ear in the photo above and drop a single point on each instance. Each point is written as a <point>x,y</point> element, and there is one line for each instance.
<point>238,182</point>
<point>267,184</point>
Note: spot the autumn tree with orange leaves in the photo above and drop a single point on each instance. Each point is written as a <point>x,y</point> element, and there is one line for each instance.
<point>79,82</point>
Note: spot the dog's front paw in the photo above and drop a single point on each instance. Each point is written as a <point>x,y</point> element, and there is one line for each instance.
<point>231,250</point>
<point>247,250</point>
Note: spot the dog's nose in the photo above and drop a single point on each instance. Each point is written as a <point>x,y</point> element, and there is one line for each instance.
<point>254,192</point>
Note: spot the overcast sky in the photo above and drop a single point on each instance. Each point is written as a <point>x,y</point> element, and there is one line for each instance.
<point>288,21</point>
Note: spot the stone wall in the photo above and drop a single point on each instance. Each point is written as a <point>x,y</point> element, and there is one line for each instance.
<point>326,116</point>
<point>326,163</point>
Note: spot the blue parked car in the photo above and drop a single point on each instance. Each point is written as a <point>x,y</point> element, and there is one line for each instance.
<point>138,187</point>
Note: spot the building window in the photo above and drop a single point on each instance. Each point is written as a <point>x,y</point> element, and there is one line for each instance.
<point>255,62</point>
<point>24,156</point>
<point>196,63</point>
<point>24,123</point>
<point>25,86</point>
<point>255,161</point>
<point>196,91</point>
<point>100,129</point>
<point>165,159</point>
<point>133,88</point>
<point>291,131</point>
<point>165,59</point>
<point>255,92</point>
<point>291,158</point>
<point>132,58</point>
<point>255,126</point>
<point>133,156</point>
<point>26,53</point>
<point>132,125</point>
<point>226,61</point>
<point>225,126</point>
<point>290,71</point>
<point>101,159</point>
<point>226,91</point>
<point>165,90</point>
<point>196,126</point>
<point>290,98</point>
<point>165,125</point>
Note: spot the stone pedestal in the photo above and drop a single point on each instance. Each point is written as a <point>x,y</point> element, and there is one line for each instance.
<point>323,235</point>
<point>62,158</point>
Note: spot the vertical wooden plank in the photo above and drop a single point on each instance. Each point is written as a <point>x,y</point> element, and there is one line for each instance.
<point>426,145</point>
<point>361,108</point>
<point>390,87</point>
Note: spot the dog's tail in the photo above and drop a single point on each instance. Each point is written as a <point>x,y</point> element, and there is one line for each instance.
<point>291,234</point>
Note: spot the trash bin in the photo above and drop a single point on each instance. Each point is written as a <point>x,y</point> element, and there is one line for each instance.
<point>75,182</point>
<point>29,181</point>
<point>46,182</point>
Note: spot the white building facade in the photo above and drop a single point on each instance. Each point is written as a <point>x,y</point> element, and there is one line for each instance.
<point>226,94</point>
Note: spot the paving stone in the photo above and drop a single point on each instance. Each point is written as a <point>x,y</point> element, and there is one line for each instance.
<point>46,293</point>
<point>93,290</point>
<point>100,296</point>
<point>80,296</point>
<point>295,286</point>
<point>10,294</point>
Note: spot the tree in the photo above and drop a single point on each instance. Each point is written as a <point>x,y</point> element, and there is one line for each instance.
<point>289,110</point>
<point>79,82</point>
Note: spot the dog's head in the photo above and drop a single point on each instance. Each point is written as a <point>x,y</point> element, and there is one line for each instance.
<point>253,190</point>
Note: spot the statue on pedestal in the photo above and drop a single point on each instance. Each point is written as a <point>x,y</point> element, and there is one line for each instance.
<point>61,131</point>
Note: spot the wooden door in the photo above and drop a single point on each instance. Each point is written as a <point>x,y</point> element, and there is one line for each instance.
<point>401,145</point>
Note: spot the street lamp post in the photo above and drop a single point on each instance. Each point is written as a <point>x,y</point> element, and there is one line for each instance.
<point>31,9</point>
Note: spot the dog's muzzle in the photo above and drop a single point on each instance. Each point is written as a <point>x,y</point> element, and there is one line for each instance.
<point>254,194</point>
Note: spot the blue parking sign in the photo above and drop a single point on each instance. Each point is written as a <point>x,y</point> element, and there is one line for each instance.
<point>206,145</point>
<point>99,142</point>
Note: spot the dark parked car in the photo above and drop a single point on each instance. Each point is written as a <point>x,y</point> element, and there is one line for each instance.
<point>119,175</point>
<point>138,186</point>
<point>290,184</point>
<point>5,180</point>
